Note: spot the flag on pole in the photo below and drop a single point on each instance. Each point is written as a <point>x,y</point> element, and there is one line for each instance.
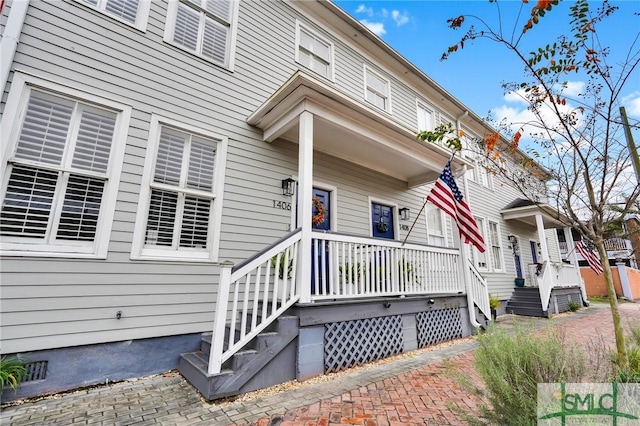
<point>446,195</point>
<point>590,256</point>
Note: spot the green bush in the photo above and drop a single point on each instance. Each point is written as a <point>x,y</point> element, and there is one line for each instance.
<point>573,306</point>
<point>632,373</point>
<point>12,371</point>
<point>511,367</point>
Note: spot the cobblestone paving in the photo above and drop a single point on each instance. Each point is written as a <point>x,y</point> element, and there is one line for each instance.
<point>411,390</point>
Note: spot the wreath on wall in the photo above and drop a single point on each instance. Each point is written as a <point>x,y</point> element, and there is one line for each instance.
<point>318,218</point>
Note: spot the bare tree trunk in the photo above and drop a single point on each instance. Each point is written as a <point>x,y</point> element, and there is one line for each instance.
<point>621,347</point>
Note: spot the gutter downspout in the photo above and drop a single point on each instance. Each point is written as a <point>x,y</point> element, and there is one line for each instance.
<point>10,37</point>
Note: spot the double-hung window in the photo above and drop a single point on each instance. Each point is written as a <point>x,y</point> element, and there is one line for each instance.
<point>181,194</point>
<point>377,90</point>
<point>435,226</point>
<point>203,27</point>
<point>314,52</point>
<point>496,246</point>
<point>425,118</point>
<point>61,173</point>
<point>480,259</point>
<point>132,12</point>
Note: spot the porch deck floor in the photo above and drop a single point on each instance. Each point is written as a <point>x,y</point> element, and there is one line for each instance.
<point>409,390</point>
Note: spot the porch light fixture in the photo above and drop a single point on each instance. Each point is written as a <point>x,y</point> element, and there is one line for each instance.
<point>512,239</point>
<point>288,187</point>
<point>405,213</point>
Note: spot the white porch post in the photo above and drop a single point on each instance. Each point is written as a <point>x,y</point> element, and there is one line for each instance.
<point>542,238</point>
<point>571,246</point>
<point>305,189</point>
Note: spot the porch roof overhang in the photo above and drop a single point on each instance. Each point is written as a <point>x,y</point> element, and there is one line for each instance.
<point>525,211</point>
<point>348,129</point>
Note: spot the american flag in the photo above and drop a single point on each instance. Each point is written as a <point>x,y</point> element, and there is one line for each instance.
<point>591,257</point>
<point>446,195</point>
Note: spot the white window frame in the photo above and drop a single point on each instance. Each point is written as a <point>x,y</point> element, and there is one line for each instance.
<point>300,27</point>
<point>443,220</point>
<point>387,95</point>
<point>10,127</point>
<point>172,13</point>
<point>482,226</point>
<point>142,16</point>
<point>496,243</point>
<point>422,106</point>
<point>138,250</point>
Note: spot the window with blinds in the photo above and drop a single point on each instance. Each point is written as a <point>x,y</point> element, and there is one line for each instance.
<point>496,246</point>
<point>181,196</point>
<point>133,12</point>
<point>314,52</point>
<point>377,89</point>
<point>202,27</point>
<point>58,173</point>
<point>435,226</point>
<point>480,259</point>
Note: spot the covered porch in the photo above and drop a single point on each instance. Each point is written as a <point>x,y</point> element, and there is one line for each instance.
<point>313,267</point>
<point>547,275</point>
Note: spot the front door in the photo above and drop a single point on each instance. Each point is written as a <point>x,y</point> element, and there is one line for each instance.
<point>321,212</point>
<point>382,221</point>
<point>320,221</point>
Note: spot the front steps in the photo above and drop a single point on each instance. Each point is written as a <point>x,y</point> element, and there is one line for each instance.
<point>526,301</point>
<point>269,359</point>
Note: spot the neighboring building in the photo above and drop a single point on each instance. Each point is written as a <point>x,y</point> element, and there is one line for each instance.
<point>147,145</point>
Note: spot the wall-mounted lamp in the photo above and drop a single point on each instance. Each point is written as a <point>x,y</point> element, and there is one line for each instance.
<point>512,239</point>
<point>405,213</point>
<point>288,187</point>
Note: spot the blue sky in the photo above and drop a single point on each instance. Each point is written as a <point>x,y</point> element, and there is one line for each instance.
<point>418,30</point>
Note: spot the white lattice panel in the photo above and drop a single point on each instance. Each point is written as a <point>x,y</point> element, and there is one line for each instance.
<point>438,326</point>
<point>351,343</point>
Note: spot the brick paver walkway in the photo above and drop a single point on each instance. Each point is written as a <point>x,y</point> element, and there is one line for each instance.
<point>412,390</point>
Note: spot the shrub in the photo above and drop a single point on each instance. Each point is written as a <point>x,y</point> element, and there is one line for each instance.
<point>12,371</point>
<point>573,306</point>
<point>512,366</point>
<point>632,373</point>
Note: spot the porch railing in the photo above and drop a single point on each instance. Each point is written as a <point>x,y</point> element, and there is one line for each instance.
<point>346,266</point>
<point>479,291</point>
<point>545,284</point>
<point>251,296</point>
<point>617,244</point>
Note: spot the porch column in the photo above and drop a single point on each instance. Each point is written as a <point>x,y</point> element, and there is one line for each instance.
<point>305,189</point>
<point>543,239</point>
<point>571,246</point>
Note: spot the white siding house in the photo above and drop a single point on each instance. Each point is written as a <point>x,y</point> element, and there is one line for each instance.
<point>145,146</point>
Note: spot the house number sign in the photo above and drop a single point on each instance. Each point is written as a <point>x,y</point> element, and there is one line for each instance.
<point>283,205</point>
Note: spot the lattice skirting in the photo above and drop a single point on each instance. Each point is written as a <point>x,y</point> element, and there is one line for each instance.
<point>438,326</point>
<point>351,343</point>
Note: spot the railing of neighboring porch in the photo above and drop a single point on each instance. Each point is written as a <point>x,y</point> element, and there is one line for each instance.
<point>256,292</point>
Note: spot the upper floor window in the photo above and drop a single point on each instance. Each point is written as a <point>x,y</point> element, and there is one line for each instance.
<point>182,194</point>
<point>62,174</point>
<point>425,118</point>
<point>314,52</point>
<point>202,27</point>
<point>377,90</point>
<point>133,12</point>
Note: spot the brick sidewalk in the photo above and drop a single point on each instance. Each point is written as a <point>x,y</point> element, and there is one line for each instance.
<point>411,390</point>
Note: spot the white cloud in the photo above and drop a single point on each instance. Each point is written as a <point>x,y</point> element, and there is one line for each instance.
<point>384,12</point>
<point>515,97</point>
<point>376,27</point>
<point>400,18</point>
<point>632,104</point>
<point>574,88</point>
<point>364,9</point>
